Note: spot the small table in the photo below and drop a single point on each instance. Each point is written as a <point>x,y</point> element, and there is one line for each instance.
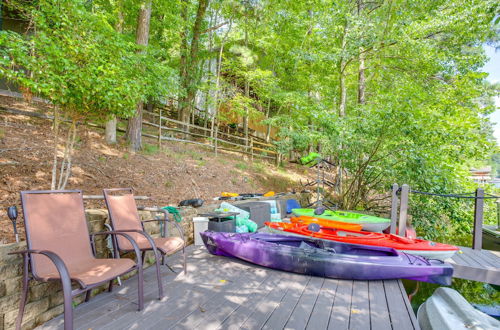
<point>219,215</point>
<point>219,225</point>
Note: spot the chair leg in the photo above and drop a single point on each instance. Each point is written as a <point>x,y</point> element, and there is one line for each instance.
<point>110,287</point>
<point>24,294</point>
<point>140,286</point>
<point>158,275</point>
<point>87,295</point>
<point>68,302</point>
<point>184,259</point>
<point>143,256</point>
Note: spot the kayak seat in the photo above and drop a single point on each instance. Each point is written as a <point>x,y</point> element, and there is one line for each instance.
<point>292,204</point>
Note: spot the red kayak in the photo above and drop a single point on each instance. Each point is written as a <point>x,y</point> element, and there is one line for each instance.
<point>419,247</point>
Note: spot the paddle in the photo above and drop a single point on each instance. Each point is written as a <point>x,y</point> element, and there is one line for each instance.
<point>12,213</point>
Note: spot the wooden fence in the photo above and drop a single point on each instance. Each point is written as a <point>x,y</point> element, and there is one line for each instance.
<point>173,130</point>
<point>169,129</point>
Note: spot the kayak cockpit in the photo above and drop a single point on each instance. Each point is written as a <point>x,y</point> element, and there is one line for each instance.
<point>327,246</point>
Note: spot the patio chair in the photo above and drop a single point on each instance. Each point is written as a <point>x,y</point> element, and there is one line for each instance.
<point>125,218</point>
<point>59,249</point>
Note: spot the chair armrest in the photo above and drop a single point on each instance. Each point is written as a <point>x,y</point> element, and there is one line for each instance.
<point>143,233</point>
<point>55,259</point>
<point>165,218</point>
<point>130,239</point>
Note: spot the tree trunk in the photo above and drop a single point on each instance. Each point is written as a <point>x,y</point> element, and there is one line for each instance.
<point>111,124</point>
<point>134,128</point>
<point>247,88</point>
<point>268,131</point>
<point>189,64</point>
<point>111,130</point>
<point>361,72</point>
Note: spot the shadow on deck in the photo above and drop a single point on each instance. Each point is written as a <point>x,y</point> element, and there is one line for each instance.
<point>224,293</point>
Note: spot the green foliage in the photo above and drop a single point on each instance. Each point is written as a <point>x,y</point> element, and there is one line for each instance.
<point>75,58</point>
<point>150,149</point>
<point>241,166</point>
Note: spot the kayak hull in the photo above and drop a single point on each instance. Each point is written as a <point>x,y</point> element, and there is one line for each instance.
<point>369,223</point>
<point>446,309</point>
<point>331,223</point>
<point>419,247</point>
<point>326,258</point>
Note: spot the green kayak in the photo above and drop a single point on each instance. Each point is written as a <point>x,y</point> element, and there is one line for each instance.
<point>369,222</point>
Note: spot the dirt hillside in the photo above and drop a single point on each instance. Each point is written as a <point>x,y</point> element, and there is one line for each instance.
<point>178,171</point>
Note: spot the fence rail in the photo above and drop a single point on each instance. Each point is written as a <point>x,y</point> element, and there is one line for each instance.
<point>247,147</point>
<point>216,140</point>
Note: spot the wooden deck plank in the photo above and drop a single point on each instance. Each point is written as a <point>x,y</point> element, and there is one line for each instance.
<point>409,308</point>
<point>121,296</point>
<point>360,308</point>
<point>300,315</point>
<point>470,261</point>
<point>379,310</point>
<point>128,311</point>
<point>251,297</point>
<point>341,311</point>
<point>260,315</point>
<point>487,258</point>
<point>482,266</point>
<point>234,273</point>
<point>223,304</point>
<point>320,315</point>
<point>400,320</point>
<point>239,315</point>
<point>282,313</point>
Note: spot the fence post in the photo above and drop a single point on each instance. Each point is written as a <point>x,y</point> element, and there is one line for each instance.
<point>477,233</point>
<point>498,213</point>
<point>394,207</point>
<point>159,132</point>
<point>251,148</point>
<point>403,209</point>
<point>216,133</point>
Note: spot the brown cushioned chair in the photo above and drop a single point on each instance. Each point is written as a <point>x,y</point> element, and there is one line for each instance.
<point>125,218</point>
<point>59,249</point>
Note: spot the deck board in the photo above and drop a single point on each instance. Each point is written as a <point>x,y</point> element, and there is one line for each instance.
<point>476,265</point>
<point>225,293</point>
<point>300,315</point>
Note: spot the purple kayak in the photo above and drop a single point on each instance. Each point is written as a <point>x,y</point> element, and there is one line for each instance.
<point>326,258</point>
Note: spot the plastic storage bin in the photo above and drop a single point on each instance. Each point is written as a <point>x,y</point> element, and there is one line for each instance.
<point>259,212</point>
<point>200,225</point>
<point>222,225</point>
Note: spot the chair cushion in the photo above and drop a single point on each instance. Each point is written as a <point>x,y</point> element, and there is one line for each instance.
<point>94,271</point>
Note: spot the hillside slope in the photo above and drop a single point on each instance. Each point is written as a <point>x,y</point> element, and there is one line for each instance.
<point>178,171</point>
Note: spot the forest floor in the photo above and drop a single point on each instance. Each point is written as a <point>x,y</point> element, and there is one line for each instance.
<point>176,172</point>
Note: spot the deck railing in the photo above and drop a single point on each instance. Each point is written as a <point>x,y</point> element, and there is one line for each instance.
<point>400,196</point>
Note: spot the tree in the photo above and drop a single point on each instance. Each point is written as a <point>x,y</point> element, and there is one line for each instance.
<point>189,56</point>
<point>79,63</point>
<point>134,128</point>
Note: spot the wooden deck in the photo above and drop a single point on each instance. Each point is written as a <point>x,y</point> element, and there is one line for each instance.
<point>481,266</point>
<point>224,293</point>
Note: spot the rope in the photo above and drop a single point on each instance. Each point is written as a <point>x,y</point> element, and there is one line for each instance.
<point>462,195</point>
<point>174,211</point>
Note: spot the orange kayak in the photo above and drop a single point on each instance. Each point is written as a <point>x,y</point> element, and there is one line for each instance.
<point>305,220</point>
<point>415,246</point>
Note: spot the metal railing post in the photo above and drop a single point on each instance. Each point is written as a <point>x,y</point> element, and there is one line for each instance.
<point>394,207</point>
<point>403,209</point>
<point>477,231</point>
